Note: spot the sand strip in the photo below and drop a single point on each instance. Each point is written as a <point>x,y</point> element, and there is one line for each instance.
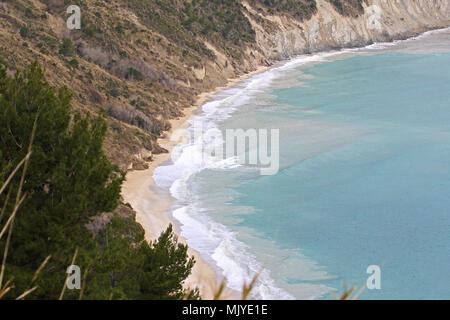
<point>152,204</point>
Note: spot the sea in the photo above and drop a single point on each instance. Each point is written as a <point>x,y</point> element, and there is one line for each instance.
<point>363,182</point>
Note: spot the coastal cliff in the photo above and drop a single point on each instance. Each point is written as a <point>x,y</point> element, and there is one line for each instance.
<point>379,21</point>
<point>143,62</point>
<point>142,65</point>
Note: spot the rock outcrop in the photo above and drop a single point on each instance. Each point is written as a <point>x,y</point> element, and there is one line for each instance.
<point>382,20</point>
<point>143,62</point>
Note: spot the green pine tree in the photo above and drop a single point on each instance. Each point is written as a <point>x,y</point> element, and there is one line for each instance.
<point>166,266</point>
<point>68,182</point>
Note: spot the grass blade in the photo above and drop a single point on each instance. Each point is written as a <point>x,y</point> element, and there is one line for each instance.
<point>23,295</point>
<point>67,277</point>
<point>14,172</point>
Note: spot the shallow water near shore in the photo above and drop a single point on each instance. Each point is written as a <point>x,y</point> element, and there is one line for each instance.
<point>364,176</point>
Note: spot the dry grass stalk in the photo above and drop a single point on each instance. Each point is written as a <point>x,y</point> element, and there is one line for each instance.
<point>246,289</point>
<point>6,288</point>
<point>5,204</point>
<point>24,160</point>
<point>219,291</point>
<point>5,254</point>
<point>8,239</point>
<point>40,269</point>
<point>67,277</point>
<point>347,293</point>
<point>14,172</point>
<point>84,284</point>
<point>6,284</point>
<point>23,295</point>
<point>11,218</point>
<point>19,197</point>
<point>4,291</point>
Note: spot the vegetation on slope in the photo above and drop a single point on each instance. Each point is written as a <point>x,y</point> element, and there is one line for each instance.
<point>348,7</point>
<point>68,186</point>
<point>137,64</point>
<point>221,22</point>
<point>141,61</point>
<point>299,9</point>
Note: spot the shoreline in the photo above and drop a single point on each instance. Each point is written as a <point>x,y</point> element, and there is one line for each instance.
<point>152,203</point>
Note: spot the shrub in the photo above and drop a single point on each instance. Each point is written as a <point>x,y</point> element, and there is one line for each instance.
<point>68,186</point>
<point>68,179</point>
<point>135,117</point>
<point>66,48</point>
<point>96,96</point>
<point>24,31</point>
<point>73,63</point>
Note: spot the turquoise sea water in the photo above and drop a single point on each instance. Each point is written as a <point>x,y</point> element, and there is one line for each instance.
<point>364,178</point>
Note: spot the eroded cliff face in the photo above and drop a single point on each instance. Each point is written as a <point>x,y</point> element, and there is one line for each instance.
<point>280,36</point>
<point>142,62</point>
<point>382,20</point>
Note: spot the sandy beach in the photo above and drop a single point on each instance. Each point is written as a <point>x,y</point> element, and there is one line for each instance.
<point>152,203</point>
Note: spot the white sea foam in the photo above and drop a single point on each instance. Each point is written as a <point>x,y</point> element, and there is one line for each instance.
<point>386,45</point>
<point>213,240</point>
<point>231,256</point>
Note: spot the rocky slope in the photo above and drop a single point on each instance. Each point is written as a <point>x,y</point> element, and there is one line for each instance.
<point>142,61</point>
<point>380,20</point>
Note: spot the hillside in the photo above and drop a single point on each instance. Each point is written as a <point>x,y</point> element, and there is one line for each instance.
<point>139,63</point>
<point>143,61</point>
